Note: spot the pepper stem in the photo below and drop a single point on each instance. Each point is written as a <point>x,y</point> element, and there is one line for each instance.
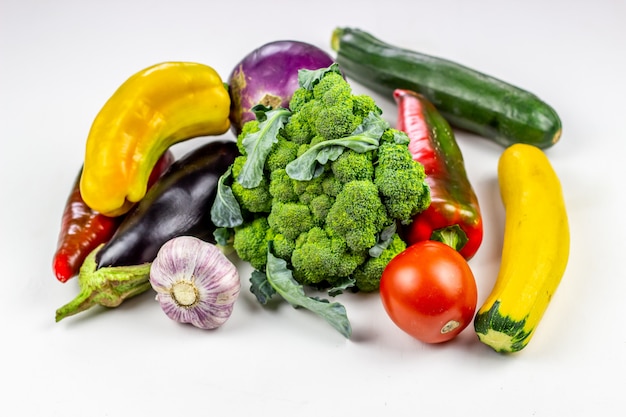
<point>452,236</point>
<point>107,287</point>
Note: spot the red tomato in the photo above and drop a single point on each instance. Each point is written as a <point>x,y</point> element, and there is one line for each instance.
<point>429,291</point>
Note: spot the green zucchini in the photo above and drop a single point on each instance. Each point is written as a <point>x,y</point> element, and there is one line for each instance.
<point>468,99</point>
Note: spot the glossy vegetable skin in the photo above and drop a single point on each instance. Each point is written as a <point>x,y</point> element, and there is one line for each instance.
<point>155,108</point>
<point>83,229</point>
<point>454,215</point>
<point>535,250</point>
<point>429,292</point>
<point>269,75</point>
<point>467,98</point>
<point>178,204</point>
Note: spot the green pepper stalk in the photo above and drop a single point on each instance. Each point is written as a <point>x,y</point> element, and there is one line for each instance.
<point>108,286</point>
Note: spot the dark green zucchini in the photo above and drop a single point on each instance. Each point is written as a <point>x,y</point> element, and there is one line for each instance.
<point>468,99</point>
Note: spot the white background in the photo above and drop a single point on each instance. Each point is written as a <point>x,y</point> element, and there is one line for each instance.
<point>60,61</point>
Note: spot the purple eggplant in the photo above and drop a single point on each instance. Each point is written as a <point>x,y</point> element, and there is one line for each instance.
<point>269,76</point>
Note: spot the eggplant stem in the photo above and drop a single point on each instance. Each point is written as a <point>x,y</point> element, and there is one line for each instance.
<point>108,286</point>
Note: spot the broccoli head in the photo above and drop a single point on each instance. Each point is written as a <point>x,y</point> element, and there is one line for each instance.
<point>335,180</point>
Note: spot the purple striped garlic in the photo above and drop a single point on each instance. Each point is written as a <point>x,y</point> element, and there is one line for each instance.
<point>195,282</point>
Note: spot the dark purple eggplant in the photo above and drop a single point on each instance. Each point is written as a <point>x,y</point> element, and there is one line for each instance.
<point>179,203</point>
<point>269,75</point>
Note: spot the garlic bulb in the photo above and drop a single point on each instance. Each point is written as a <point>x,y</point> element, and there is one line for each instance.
<point>195,282</point>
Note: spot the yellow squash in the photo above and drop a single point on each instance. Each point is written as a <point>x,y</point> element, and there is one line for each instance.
<point>535,250</point>
<point>155,108</point>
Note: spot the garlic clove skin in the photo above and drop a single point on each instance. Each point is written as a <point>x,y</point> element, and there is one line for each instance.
<point>195,282</point>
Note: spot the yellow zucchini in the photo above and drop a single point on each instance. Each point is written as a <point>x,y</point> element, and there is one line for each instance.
<point>535,249</point>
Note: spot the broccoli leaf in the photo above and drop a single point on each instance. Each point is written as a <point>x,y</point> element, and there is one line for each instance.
<point>384,239</point>
<point>225,211</point>
<point>260,111</point>
<point>281,279</point>
<point>259,144</point>
<point>308,78</point>
<point>400,137</point>
<point>366,137</point>
<point>340,287</point>
<point>222,236</point>
<point>261,287</point>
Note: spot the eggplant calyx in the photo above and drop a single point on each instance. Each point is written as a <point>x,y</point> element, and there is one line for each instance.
<point>107,286</point>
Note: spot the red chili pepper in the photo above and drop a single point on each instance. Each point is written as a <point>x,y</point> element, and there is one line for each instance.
<point>454,214</point>
<point>83,229</point>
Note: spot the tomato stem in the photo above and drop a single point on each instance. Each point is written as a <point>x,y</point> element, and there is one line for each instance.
<point>449,326</point>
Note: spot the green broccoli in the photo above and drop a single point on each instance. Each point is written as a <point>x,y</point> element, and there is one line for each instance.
<point>401,182</point>
<point>282,187</point>
<point>250,127</point>
<point>353,166</point>
<point>290,219</point>
<point>251,240</point>
<point>334,178</point>
<point>358,214</point>
<point>255,200</point>
<point>367,275</point>
<point>321,257</point>
<point>283,247</point>
<point>283,152</point>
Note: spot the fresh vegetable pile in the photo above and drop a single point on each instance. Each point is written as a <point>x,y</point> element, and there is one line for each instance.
<point>316,191</point>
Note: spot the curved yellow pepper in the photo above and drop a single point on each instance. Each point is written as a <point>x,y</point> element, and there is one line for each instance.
<point>535,250</point>
<point>155,108</point>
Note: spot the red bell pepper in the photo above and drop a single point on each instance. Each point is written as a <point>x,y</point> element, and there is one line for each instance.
<point>454,214</point>
<point>84,229</point>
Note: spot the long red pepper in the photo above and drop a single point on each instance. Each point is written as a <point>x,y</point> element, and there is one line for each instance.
<point>454,214</point>
<point>84,229</point>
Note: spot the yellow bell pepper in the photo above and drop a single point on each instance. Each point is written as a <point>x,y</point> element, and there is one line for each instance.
<point>155,108</point>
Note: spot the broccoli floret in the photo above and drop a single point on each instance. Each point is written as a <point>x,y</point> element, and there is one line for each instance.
<point>251,240</point>
<point>298,128</point>
<point>299,97</point>
<point>282,187</point>
<point>320,206</point>
<point>358,214</point>
<point>367,275</point>
<point>283,247</point>
<point>331,185</point>
<point>319,257</point>
<point>364,105</point>
<point>254,200</point>
<point>290,219</point>
<point>308,190</point>
<point>283,152</point>
<point>334,108</point>
<point>394,136</point>
<point>353,166</point>
<point>401,181</point>
<point>249,127</point>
